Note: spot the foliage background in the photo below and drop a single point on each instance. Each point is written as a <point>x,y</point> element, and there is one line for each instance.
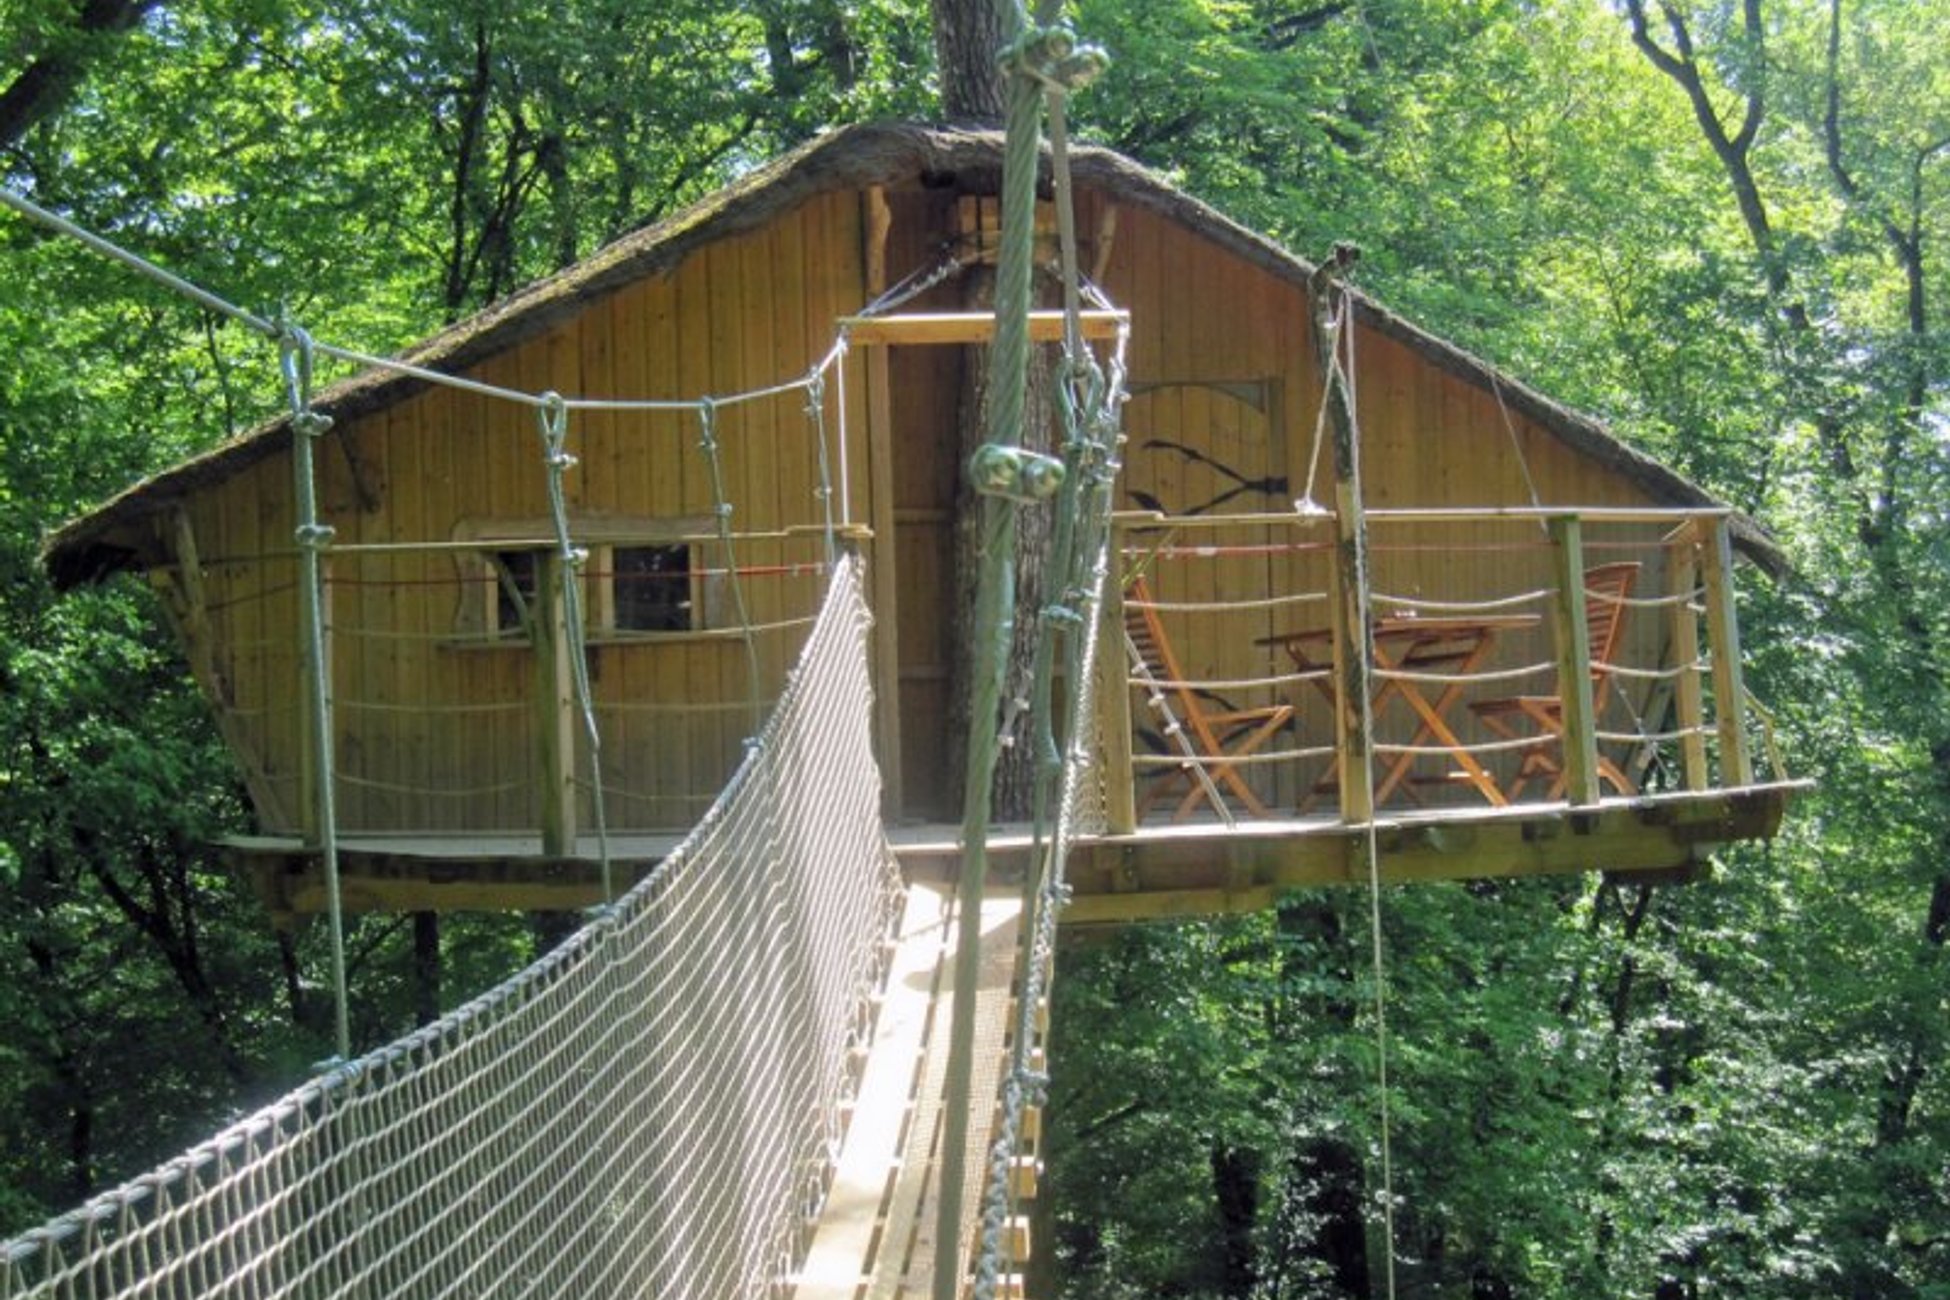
<point>1716,223</point>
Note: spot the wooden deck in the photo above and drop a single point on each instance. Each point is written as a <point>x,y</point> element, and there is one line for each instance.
<point>876,1236</point>
<point>1160,872</point>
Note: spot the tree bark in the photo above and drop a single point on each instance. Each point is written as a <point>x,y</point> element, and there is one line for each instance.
<point>426,967</point>
<point>967,36</point>
<point>46,82</point>
<point>1015,768</point>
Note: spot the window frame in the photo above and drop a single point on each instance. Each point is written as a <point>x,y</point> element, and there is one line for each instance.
<point>477,616</point>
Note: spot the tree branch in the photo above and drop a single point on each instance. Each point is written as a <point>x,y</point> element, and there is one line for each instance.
<point>44,84</point>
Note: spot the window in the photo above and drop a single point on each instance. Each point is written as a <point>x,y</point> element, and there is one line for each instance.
<point>650,588</point>
<point>642,576</point>
<point>514,574</point>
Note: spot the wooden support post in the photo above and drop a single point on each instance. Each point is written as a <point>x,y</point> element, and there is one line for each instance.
<point>1723,636</point>
<point>1350,746</point>
<point>1571,634</point>
<point>1688,703</point>
<point>1114,707</point>
<point>554,702</point>
<point>884,577</point>
<point>880,516</point>
<point>1353,626</point>
<point>186,605</point>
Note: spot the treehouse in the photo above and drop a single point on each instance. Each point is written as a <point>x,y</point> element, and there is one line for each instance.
<point>1557,670</point>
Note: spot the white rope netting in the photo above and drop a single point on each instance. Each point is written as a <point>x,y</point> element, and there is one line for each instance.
<point>652,1109</point>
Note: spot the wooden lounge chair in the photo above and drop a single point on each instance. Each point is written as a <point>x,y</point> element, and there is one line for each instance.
<point>1541,717</point>
<point>1210,734</point>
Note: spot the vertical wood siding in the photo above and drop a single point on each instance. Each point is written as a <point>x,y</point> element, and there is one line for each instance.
<point>436,726</point>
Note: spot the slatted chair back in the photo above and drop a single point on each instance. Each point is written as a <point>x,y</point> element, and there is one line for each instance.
<point>1540,718</point>
<point>1147,633</point>
<point>1219,738</point>
<point>1606,589</point>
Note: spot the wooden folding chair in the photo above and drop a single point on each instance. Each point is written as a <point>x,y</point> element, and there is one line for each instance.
<point>1541,717</point>
<point>1218,737</point>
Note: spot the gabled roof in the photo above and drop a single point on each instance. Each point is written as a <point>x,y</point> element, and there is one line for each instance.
<point>854,157</point>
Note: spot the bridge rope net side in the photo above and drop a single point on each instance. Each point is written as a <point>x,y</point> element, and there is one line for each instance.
<point>650,1109</point>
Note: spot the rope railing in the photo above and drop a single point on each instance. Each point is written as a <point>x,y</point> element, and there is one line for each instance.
<point>1465,679</point>
<point>1235,605</point>
<point>1484,660</point>
<point>1650,737</point>
<point>1258,759</point>
<point>1270,681</point>
<point>650,1109</point>
<point>1422,604</point>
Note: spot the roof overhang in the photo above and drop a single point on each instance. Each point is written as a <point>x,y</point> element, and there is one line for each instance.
<point>117,534</point>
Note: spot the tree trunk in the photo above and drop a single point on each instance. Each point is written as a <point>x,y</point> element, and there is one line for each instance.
<point>47,80</point>
<point>1015,768</point>
<point>967,36</point>
<point>426,967</point>
<point>1235,1191</point>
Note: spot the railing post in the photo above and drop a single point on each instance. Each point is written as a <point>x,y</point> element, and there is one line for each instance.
<point>555,703</point>
<point>1114,703</point>
<point>1688,703</point>
<point>1571,634</point>
<point>1351,756</point>
<point>1723,636</point>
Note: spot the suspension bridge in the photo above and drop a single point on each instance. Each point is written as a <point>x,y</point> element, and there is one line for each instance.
<point>731,1082</point>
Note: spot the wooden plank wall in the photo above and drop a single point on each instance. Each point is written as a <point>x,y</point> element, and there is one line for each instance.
<point>1208,327</point>
<point>436,727</point>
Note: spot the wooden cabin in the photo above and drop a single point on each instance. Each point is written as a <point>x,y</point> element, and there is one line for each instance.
<point>458,780</point>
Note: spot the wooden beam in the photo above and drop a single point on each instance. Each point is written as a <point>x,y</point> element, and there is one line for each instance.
<point>1723,635</point>
<point>186,605</point>
<point>966,327</point>
<point>1114,712</point>
<point>1689,706</point>
<point>884,577</point>
<point>1571,636</point>
<point>1353,626</point>
<point>1154,876</point>
<point>1106,240</point>
<point>880,222</point>
<point>555,705</point>
<point>436,874</point>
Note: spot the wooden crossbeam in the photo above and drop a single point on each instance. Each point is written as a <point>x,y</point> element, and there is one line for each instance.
<point>963,327</point>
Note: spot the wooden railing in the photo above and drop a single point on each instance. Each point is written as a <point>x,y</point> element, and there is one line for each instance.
<point>1482,671</point>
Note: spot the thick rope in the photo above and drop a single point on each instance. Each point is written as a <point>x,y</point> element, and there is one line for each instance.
<point>1378,953</point>
<point>1041,60</point>
<point>707,442</point>
<point>554,422</point>
<point>295,350</point>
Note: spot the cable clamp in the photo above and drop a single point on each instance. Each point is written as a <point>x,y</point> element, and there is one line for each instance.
<point>309,423</point>
<point>1015,473</point>
<point>1053,56</point>
<point>707,426</point>
<point>314,537</point>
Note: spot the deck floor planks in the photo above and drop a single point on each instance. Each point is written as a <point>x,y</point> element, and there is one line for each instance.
<point>876,1236</point>
<point>839,1259</point>
<point>904,1263</point>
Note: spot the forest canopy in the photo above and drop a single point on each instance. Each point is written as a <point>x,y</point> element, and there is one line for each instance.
<point>1716,224</point>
